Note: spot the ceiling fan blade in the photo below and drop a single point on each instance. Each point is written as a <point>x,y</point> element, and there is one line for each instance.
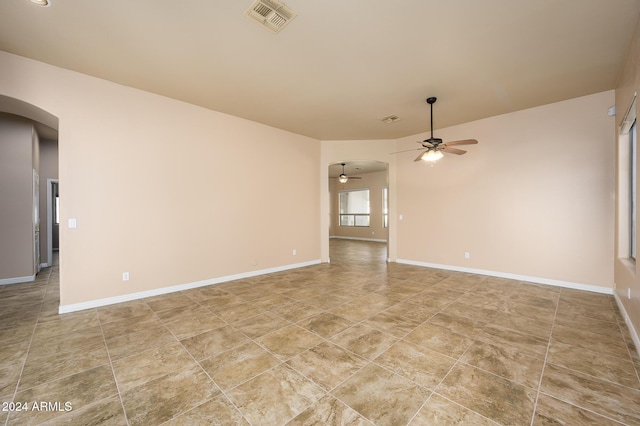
<point>463,142</point>
<point>425,143</point>
<point>406,150</point>
<point>453,150</point>
<point>353,177</point>
<point>422,154</point>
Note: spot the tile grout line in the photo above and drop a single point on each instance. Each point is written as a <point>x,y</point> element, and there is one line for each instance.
<point>33,333</point>
<point>624,338</point>
<point>435,388</point>
<point>113,371</point>
<point>198,363</point>
<point>546,356</point>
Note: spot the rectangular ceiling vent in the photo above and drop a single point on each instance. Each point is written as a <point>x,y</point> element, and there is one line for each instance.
<point>271,14</point>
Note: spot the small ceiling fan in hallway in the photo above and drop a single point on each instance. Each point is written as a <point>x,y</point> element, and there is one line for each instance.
<point>343,178</point>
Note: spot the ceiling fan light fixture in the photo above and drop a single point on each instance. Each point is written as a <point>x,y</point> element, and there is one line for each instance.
<point>432,155</point>
<point>43,3</point>
<point>343,178</point>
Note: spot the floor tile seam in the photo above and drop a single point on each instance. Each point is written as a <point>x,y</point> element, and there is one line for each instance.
<point>574,404</point>
<point>63,415</point>
<point>466,408</point>
<point>263,346</point>
<point>289,323</point>
<point>282,363</point>
<point>544,365</point>
<point>588,312</point>
<point>383,331</point>
<point>26,355</point>
<point>420,408</point>
<point>226,391</point>
<point>533,388</point>
<point>505,328</point>
<point>113,374</point>
<point>137,330</point>
<point>286,362</point>
<point>147,349</point>
<point>588,317</point>
<point>423,347</point>
<point>356,354</point>
<point>435,388</point>
<point>336,397</point>
<point>377,364</point>
<point>579,326</point>
<point>319,385</point>
<point>38,334</point>
<point>166,322</point>
<point>226,321</point>
<point>61,377</point>
<point>627,342</point>
<point>200,405</point>
<point>222,391</point>
<point>628,359</point>
<point>590,376</point>
<point>595,351</point>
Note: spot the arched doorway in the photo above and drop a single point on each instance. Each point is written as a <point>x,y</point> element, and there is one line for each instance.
<point>31,144</point>
<point>359,210</point>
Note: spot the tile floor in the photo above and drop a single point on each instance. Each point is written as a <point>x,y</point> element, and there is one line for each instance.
<point>355,342</point>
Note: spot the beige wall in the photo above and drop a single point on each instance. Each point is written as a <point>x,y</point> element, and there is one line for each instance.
<point>534,198</point>
<point>16,192</point>
<point>169,192</point>
<point>626,272</point>
<point>374,182</point>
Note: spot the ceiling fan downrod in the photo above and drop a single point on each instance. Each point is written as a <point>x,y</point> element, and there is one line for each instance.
<point>432,100</point>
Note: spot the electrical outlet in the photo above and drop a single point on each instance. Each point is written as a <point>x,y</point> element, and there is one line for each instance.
<point>467,255</point>
<point>294,252</point>
<point>125,276</point>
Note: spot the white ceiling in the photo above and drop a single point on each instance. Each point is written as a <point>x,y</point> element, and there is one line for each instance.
<point>340,65</point>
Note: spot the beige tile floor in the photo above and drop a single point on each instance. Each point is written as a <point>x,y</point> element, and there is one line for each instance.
<point>355,342</point>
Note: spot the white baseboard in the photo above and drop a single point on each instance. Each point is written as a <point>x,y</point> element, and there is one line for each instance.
<point>375,240</point>
<point>537,280</point>
<point>65,309</point>
<point>627,320</point>
<point>17,280</point>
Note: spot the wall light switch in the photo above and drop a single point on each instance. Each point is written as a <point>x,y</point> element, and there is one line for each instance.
<point>72,223</point>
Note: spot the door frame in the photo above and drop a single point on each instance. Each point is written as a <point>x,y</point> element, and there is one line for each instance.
<point>50,219</point>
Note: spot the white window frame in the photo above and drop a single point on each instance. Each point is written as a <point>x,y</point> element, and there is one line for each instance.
<point>628,184</point>
<point>385,206</point>
<point>633,179</point>
<point>354,218</point>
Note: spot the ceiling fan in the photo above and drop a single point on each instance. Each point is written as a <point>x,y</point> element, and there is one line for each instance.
<point>435,147</point>
<point>343,178</point>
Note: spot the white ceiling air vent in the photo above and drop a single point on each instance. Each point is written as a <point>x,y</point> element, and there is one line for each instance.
<point>390,119</point>
<point>271,14</point>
